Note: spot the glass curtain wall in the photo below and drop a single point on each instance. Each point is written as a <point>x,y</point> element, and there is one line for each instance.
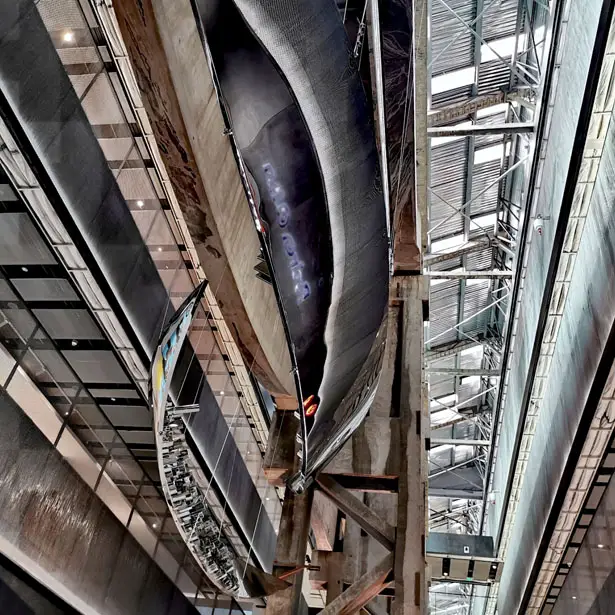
<point>105,97</point>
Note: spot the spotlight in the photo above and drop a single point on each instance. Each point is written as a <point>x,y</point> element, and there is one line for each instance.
<point>24,269</point>
<point>446,566</point>
<point>73,343</point>
<point>68,37</point>
<point>140,203</point>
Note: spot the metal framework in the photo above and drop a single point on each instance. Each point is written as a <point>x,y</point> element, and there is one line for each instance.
<point>484,61</point>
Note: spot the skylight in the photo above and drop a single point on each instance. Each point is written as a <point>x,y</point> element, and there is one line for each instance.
<point>503,47</point>
<point>441,246</point>
<point>487,154</point>
<point>452,80</point>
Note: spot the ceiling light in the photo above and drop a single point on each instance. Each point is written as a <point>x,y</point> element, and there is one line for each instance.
<point>154,525</point>
<point>140,203</point>
<point>113,399</point>
<point>574,597</point>
<point>69,37</point>
<point>66,414</point>
<point>445,574</point>
<point>159,249</point>
<point>267,499</point>
<point>221,392</point>
<point>601,546</point>
<point>73,343</point>
<point>24,269</point>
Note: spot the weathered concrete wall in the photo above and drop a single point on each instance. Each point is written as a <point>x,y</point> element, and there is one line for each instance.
<point>52,522</point>
<point>587,322</point>
<point>575,57</point>
<point>178,93</point>
<point>591,579</point>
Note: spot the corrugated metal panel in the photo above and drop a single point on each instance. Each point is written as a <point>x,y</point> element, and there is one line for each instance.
<point>445,28</point>
<point>448,173</point>
<point>490,120</point>
<point>483,176</point>
<point>493,75</point>
<point>451,96</point>
<point>500,19</point>
<point>477,296</point>
<point>443,310</point>
<point>480,260</point>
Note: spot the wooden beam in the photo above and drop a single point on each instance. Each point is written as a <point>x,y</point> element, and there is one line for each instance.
<point>354,508</point>
<point>280,454</point>
<point>290,550</point>
<point>367,483</point>
<point>363,590</point>
<point>410,563</point>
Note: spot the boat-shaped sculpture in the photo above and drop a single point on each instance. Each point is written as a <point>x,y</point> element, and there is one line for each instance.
<point>298,117</point>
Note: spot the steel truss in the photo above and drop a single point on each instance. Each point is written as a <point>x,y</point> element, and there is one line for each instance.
<point>468,425</point>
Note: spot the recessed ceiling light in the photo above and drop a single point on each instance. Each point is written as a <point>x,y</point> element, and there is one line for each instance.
<point>445,574</point>
<point>66,414</point>
<point>69,37</point>
<point>574,597</point>
<point>267,499</point>
<point>154,525</point>
<point>140,203</point>
<point>24,269</point>
<point>159,249</point>
<point>601,546</point>
<point>113,399</point>
<point>73,343</point>
<point>221,392</point>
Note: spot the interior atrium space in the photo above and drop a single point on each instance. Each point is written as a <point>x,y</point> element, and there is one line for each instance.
<point>307,307</point>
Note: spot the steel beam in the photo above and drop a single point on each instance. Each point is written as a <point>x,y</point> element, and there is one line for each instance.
<point>465,320</point>
<point>477,130</point>
<point>457,371</point>
<point>458,442</point>
<point>452,348</point>
<point>456,494</point>
<point>468,275</point>
<point>473,246</point>
<point>450,113</point>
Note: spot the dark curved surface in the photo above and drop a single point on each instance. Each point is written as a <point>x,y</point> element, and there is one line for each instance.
<point>300,120</point>
<point>286,184</point>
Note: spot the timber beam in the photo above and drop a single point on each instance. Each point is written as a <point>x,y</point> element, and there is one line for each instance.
<point>363,590</point>
<point>354,508</point>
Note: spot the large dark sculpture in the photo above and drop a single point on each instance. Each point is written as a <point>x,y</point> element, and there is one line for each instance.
<point>298,116</point>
